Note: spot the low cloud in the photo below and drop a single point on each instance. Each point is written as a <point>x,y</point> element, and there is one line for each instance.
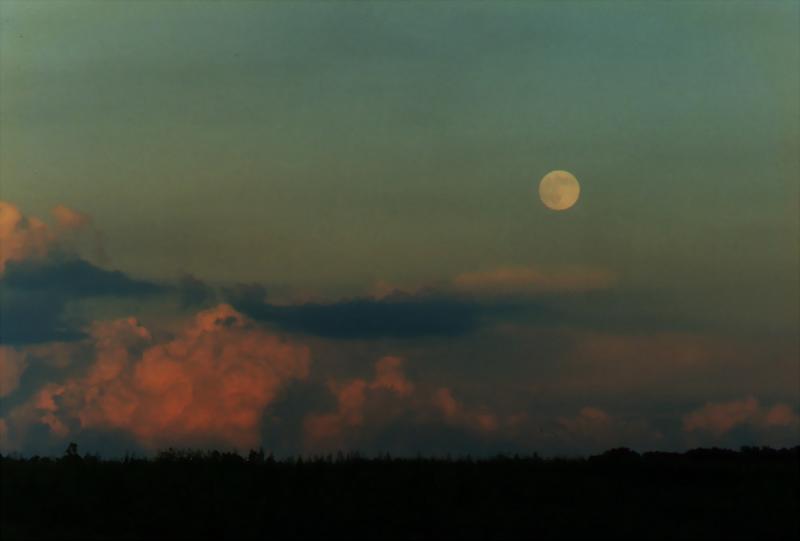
<point>352,397</point>
<point>68,218</point>
<point>12,365</point>
<point>209,384</point>
<point>41,272</point>
<point>719,418</point>
<point>367,407</point>
<point>395,316</point>
<point>22,237</point>
<point>36,292</point>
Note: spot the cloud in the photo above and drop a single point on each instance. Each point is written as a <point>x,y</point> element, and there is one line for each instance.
<point>29,238</point>
<point>455,413</point>
<point>351,398</point>
<point>532,280</point>
<point>719,418</point>
<point>72,278</point>
<point>193,292</point>
<point>68,218</point>
<point>207,385</point>
<point>22,237</point>
<point>40,273</point>
<point>389,375</point>
<point>365,408</point>
<point>395,316</point>
<point>12,365</point>
<point>36,292</point>
<point>32,317</point>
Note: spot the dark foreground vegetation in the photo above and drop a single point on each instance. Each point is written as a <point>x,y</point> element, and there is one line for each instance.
<point>701,494</point>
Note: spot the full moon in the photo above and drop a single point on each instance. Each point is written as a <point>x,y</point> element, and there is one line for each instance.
<point>559,190</point>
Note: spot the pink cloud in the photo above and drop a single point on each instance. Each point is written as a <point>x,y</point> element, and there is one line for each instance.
<point>718,418</point>
<point>352,396</point>
<point>24,237</point>
<point>68,218</point>
<point>21,237</point>
<point>443,401</point>
<point>456,413</point>
<point>365,403</point>
<point>389,375</point>
<point>780,415</point>
<point>208,384</point>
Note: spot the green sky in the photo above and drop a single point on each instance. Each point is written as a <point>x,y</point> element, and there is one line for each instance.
<point>328,146</point>
<point>361,141</point>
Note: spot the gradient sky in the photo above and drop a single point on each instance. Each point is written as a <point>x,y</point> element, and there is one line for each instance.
<point>359,180</point>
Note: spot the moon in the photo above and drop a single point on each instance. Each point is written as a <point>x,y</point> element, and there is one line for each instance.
<point>559,190</point>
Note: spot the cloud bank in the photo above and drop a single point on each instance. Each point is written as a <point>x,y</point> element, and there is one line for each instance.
<point>207,385</point>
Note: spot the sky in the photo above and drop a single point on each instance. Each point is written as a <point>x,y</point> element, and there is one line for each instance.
<point>313,226</point>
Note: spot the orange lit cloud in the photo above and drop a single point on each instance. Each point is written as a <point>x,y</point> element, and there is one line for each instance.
<point>386,397</point>
<point>68,218</point>
<point>208,384</point>
<point>351,398</point>
<point>21,237</point>
<point>455,413</point>
<point>28,237</point>
<point>516,280</point>
<point>719,418</point>
<point>389,375</point>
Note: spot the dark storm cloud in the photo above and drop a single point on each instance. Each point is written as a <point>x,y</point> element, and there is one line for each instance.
<point>193,292</point>
<point>396,316</point>
<point>443,313</point>
<point>72,278</point>
<point>31,317</point>
<point>35,294</point>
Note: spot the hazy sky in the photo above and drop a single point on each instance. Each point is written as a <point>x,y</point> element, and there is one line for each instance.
<point>326,150</point>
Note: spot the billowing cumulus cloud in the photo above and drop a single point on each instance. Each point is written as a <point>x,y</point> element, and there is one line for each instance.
<point>193,292</point>
<point>352,396</point>
<point>719,418</point>
<point>22,237</point>
<point>456,413</point>
<point>73,277</point>
<point>68,218</point>
<point>366,407</point>
<point>209,384</point>
<point>30,238</point>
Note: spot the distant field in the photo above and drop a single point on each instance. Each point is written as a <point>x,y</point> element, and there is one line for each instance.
<point>704,493</point>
